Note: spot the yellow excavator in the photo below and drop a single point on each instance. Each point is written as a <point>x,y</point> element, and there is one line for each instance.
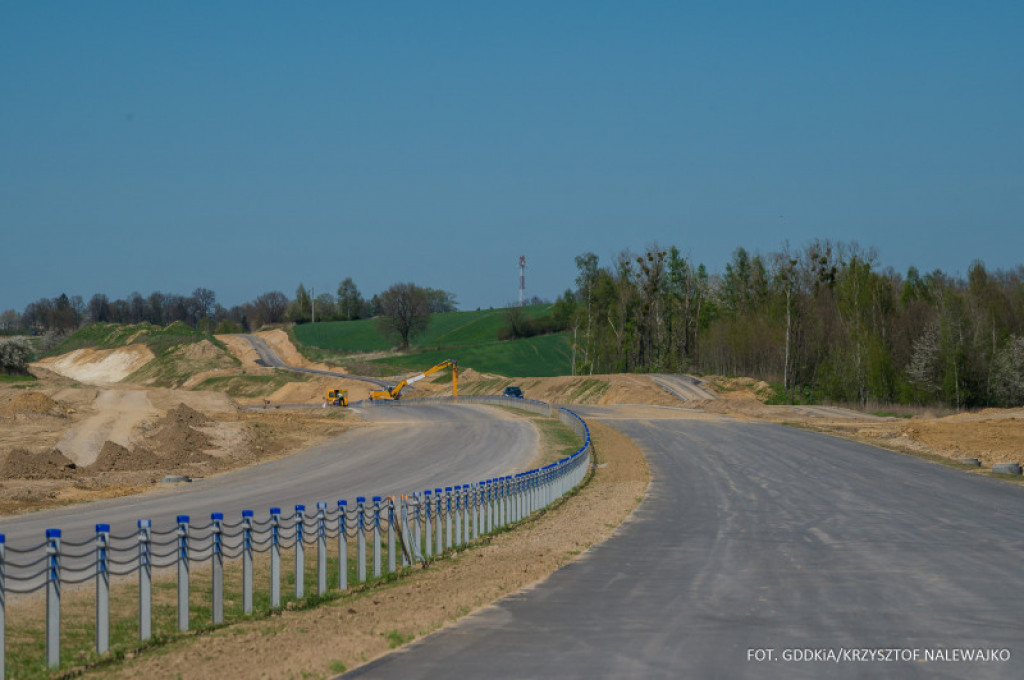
<point>395,392</point>
<point>336,398</point>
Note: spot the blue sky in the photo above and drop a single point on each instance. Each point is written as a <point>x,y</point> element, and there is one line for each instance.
<point>248,147</point>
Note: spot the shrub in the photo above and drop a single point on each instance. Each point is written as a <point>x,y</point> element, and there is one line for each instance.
<point>14,355</point>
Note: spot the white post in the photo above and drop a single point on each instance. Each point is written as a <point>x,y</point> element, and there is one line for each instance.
<point>102,589</point>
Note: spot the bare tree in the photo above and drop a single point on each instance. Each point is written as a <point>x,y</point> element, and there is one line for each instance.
<point>406,311</point>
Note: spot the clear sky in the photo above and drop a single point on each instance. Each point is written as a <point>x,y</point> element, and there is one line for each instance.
<point>251,146</point>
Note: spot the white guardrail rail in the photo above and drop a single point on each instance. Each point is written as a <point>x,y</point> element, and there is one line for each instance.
<point>414,528</point>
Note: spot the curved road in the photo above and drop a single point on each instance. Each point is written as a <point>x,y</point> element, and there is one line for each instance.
<point>410,449</point>
<point>268,357</point>
<point>759,552</point>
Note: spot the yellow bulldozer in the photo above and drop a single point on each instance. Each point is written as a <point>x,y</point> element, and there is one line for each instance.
<point>336,398</point>
<point>395,392</point>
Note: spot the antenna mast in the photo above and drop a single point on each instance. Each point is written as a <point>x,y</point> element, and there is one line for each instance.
<point>522,280</point>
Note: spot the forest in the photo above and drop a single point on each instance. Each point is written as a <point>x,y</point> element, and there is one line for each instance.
<point>824,323</point>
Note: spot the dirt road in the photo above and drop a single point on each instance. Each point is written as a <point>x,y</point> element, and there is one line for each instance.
<point>117,416</point>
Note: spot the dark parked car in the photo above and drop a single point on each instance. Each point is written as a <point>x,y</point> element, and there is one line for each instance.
<point>513,391</point>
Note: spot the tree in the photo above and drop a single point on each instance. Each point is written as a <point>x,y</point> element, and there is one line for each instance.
<point>269,308</point>
<point>301,308</point>
<point>406,311</point>
<point>350,300</point>
<point>1009,372</point>
<point>206,301</point>
<point>440,301</point>
<point>99,308</point>
<point>326,307</point>
<point>10,320</point>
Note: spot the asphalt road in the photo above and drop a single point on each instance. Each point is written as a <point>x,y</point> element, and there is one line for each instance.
<point>270,358</point>
<point>410,449</point>
<point>758,537</point>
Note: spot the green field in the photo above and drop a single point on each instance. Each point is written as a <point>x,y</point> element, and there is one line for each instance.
<point>470,338</point>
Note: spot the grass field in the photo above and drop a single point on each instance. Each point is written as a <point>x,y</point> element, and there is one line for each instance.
<point>470,338</point>
<point>451,329</point>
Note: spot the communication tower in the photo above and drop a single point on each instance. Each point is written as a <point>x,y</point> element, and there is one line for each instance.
<point>522,280</point>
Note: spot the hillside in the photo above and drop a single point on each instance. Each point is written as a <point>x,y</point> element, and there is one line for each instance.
<point>470,338</point>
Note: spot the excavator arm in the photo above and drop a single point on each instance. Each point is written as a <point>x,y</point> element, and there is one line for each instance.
<point>395,392</point>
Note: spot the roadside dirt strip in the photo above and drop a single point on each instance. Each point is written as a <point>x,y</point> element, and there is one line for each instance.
<point>765,552</point>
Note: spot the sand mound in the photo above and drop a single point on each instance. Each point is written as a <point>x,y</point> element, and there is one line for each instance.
<point>100,366</point>
<point>32,402</point>
<point>23,464</point>
<point>183,414</point>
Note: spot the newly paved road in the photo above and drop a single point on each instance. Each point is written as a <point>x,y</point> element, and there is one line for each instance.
<point>758,537</point>
<point>409,449</point>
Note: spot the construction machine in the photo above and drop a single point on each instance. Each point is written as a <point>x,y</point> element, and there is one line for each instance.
<point>337,398</point>
<point>395,392</point>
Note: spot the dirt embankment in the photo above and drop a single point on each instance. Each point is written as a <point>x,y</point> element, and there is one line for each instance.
<point>99,366</point>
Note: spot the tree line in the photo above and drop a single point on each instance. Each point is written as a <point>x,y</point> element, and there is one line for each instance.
<point>824,323</point>
<point>64,314</point>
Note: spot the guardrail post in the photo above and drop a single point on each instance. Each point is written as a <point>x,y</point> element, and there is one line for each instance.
<point>247,561</point>
<point>390,510</point>
<point>145,580</point>
<point>475,495</point>
<point>376,536</point>
<point>438,534</point>
<point>321,548</point>
<point>343,545</point>
<point>275,558</point>
<point>300,552</point>
<point>466,512</point>
<point>361,538</point>
<point>428,542</point>
<point>183,568</point>
<point>448,517</point>
<point>53,598</point>
<point>486,507</point>
<point>3,609</point>
<point>502,501</point>
<point>217,569</point>
<point>409,554</point>
<point>102,589</point>
<point>458,514</point>
<point>517,497</point>
<point>415,551</point>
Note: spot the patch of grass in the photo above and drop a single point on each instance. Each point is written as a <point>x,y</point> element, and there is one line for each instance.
<point>890,414</point>
<point>336,666</point>
<point>396,638</point>
<point>17,380</point>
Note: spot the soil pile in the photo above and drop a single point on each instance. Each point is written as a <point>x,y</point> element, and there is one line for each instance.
<point>31,403</point>
<point>113,457</point>
<point>176,440</point>
<point>52,464</point>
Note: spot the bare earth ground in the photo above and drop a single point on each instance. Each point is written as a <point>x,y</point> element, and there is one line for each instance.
<point>63,441</point>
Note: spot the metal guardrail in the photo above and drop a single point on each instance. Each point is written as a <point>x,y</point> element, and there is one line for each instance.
<point>425,523</point>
